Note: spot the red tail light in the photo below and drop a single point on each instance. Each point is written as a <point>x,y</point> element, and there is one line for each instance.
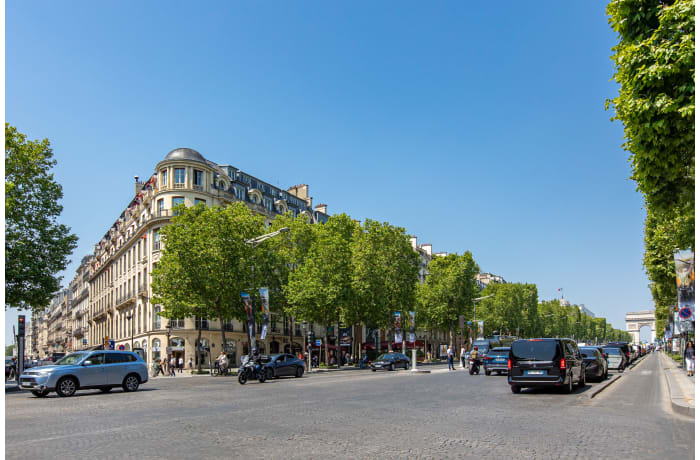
<point>510,366</point>
<point>562,364</point>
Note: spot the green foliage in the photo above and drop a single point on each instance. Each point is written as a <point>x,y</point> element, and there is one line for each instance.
<point>448,291</point>
<point>385,274</point>
<point>36,246</point>
<point>206,263</point>
<point>9,350</point>
<point>655,62</point>
<point>513,309</point>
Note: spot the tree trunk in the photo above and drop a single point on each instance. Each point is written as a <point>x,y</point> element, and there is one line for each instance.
<point>221,323</point>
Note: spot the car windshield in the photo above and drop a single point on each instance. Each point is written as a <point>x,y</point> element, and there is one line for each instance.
<point>482,344</point>
<point>385,356</point>
<point>538,350</point>
<point>73,358</point>
<point>612,351</point>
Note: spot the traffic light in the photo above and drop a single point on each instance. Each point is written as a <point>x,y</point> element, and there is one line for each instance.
<point>20,326</point>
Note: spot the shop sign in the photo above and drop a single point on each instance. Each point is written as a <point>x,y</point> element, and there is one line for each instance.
<point>169,349</point>
<point>156,348</point>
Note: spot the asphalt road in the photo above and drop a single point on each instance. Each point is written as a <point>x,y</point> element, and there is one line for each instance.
<point>354,414</point>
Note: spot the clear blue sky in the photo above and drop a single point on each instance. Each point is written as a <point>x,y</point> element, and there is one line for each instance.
<point>477,126</point>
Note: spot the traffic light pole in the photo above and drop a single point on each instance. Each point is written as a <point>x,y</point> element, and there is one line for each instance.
<point>20,347</point>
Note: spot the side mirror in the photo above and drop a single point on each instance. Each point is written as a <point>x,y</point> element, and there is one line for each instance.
<point>87,363</point>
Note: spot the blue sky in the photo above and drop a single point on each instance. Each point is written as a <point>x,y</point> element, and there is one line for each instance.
<point>477,126</point>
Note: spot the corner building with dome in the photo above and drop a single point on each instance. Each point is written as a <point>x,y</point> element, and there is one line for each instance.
<point>120,271</point>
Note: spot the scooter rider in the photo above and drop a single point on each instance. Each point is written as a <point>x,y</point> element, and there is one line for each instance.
<point>474,356</point>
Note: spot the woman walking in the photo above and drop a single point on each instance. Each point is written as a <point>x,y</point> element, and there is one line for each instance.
<point>690,359</point>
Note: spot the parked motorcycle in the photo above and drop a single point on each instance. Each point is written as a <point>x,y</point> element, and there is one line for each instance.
<point>250,369</point>
<point>474,366</point>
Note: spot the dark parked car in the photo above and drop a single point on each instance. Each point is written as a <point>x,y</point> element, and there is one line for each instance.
<point>390,361</point>
<point>595,360</point>
<point>545,363</point>
<point>496,360</point>
<point>283,365</point>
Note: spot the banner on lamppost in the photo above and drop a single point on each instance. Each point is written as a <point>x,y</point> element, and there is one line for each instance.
<point>248,304</point>
<point>684,260</point>
<point>398,337</point>
<point>481,329</point>
<point>265,301</point>
<point>412,326</point>
<point>345,336</point>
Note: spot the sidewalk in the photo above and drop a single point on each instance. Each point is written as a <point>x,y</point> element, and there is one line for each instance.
<point>680,387</point>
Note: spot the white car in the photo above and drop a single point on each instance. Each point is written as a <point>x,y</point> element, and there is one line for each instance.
<point>615,358</point>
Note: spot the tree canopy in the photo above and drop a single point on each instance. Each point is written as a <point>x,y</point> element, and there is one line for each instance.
<point>36,245</point>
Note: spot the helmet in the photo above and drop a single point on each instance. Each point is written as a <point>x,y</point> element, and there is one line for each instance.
<point>476,348</point>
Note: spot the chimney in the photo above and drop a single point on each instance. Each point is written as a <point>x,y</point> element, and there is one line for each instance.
<point>138,186</point>
<point>323,208</point>
<point>301,191</point>
<point>414,241</point>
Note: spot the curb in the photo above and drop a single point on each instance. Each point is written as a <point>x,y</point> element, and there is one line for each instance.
<point>603,386</point>
<point>678,401</point>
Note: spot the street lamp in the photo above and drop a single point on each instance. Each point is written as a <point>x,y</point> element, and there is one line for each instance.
<point>130,316</point>
<point>169,327</point>
<point>254,242</point>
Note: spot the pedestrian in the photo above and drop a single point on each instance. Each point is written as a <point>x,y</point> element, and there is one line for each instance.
<point>463,356</point>
<point>450,359</point>
<point>161,365</point>
<point>181,364</point>
<point>223,363</point>
<point>190,363</point>
<point>690,359</point>
<point>172,366</point>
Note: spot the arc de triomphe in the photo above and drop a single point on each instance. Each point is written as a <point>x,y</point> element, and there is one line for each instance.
<point>635,320</point>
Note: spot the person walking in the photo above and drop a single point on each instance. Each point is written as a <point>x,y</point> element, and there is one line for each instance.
<point>172,366</point>
<point>190,363</point>
<point>463,356</point>
<point>161,364</point>
<point>450,359</point>
<point>690,359</point>
<point>180,364</point>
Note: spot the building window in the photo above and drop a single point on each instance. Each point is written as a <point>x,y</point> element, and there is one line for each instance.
<point>156,240</point>
<point>179,177</point>
<point>199,200</point>
<point>198,179</point>
<point>156,318</point>
<point>177,200</point>
<point>268,204</point>
<point>164,178</point>
<point>160,206</point>
<point>201,323</point>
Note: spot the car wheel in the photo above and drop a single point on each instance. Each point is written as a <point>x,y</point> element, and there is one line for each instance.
<point>487,372</point>
<point>40,394</point>
<point>67,386</point>
<point>131,383</point>
<point>299,373</point>
<point>405,366</point>
<point>569,388</point>
<point>106,389</point>
<point>582,379</point>
<point>374,370</point>
<point>515,389</point>
<point>392,367</point>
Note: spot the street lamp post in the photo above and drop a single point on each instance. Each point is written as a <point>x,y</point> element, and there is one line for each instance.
<point>130,317</point>
<point>169,327</point>
<point>474,320</point>
<point>254,242</point>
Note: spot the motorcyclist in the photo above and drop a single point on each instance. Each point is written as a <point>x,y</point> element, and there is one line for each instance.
<point>474,356</point>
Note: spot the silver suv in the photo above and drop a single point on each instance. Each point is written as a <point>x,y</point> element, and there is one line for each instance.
<point>84,370</point>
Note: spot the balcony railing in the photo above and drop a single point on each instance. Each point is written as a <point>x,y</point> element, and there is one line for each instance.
<point>143,290</point>
<point>199,188</point>
<point>79,332</point>
<point>179,185</point>
<point>125,300</point>
<point>163,212</point>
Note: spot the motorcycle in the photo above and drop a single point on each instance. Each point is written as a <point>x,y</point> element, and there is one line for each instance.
<point>250,369</point>
<point>474,366</point>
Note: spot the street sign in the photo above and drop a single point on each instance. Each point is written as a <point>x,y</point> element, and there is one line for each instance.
<point>318,342</point>
<point>121,347</point>
<point>84,341</point>
<point>685,313</point>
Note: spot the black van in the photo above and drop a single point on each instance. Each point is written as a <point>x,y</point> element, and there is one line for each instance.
<point>545,363</point>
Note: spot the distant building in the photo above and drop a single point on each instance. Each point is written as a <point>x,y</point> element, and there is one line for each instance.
<point>484,279</point>
<point>426,255</point>
<point>582,308</point>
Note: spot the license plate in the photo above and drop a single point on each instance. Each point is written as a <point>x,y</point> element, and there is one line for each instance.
<point>499,360</point>
<point>534,372</point>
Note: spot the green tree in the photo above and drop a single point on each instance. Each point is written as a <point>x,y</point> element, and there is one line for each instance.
<point>322,287</point>
<point>448,291</point>
<point>206,262</point>
<point>385,275</point>
<point>36,246</point>
<point>512,309</point>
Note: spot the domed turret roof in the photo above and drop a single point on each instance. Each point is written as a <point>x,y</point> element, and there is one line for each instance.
<point>185,154</point>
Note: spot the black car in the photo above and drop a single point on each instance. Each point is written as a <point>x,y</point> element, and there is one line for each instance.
<point>596,363</point>
<point>282,365</point>
<point>390,361</point>
<point>545,363</point>
<point>496,360</point>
